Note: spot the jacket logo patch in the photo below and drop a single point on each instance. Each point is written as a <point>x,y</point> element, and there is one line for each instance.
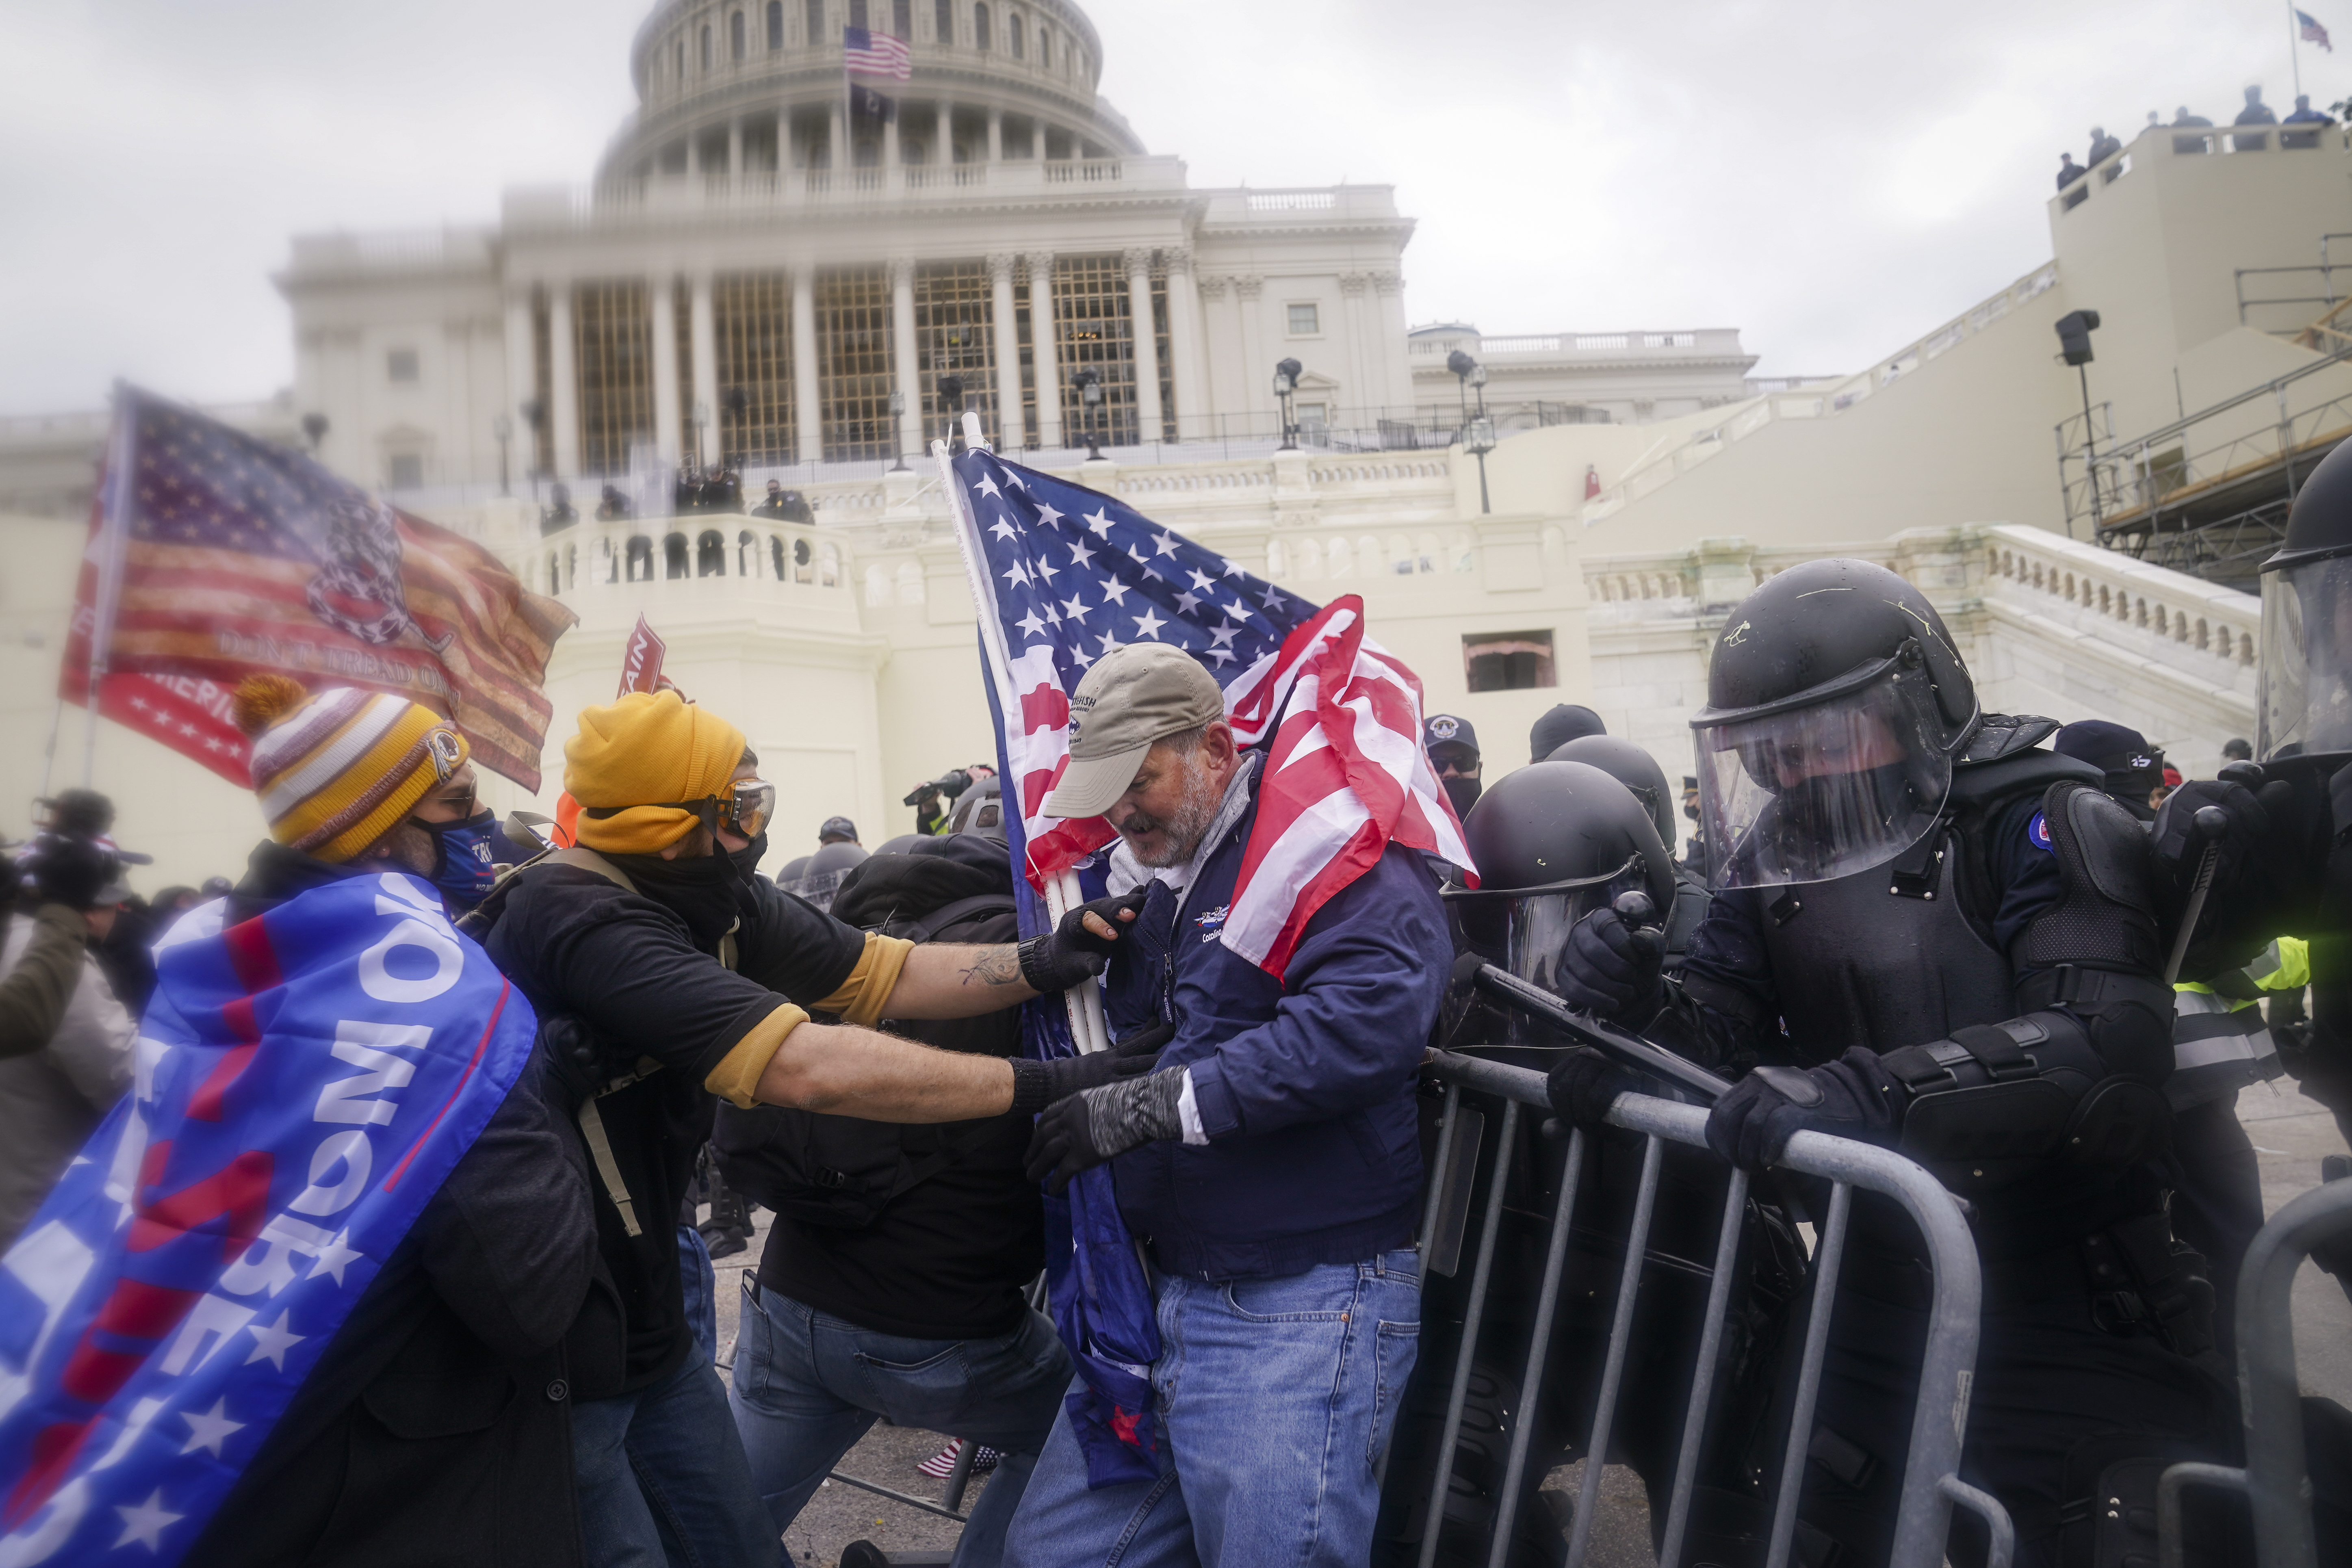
<point>1211,923</point>
<point>2037,833</point>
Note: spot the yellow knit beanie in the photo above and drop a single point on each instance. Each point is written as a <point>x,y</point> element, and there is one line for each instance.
<point>647,747</point>
<point>337,770</point>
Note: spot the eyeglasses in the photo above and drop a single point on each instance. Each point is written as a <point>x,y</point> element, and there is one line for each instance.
<point>747,808</point>
<point>1453,768</point>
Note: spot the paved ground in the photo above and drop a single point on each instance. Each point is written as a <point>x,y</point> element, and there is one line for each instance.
<point>2290,1135</point>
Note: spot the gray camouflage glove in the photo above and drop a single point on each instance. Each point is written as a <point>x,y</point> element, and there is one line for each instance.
<point>1086,1129</point>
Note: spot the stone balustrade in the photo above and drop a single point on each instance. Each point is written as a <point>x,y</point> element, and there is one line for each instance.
<point>650,557</point>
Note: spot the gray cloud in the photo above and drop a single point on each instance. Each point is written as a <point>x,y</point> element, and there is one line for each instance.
<point>1833,176</point>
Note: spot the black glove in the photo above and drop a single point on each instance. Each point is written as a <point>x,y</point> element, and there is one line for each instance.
<point>580,1061</point>
<point>1146,1041</point>
<point>1854,1097</point>
<point>1609,969</point>
<point>2249,848</point>
<point>62,869</point>
<point>1085,1130</point>
<point>1585,1084</point>
<point>1037,1084</point>
<point>1070,953</point>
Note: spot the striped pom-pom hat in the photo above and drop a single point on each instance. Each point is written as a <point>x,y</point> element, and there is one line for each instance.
<point>337,770</point>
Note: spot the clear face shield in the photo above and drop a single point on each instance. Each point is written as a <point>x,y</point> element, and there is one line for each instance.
<point>2306,672</point>
<point>1847,781</point>
<point>1536,925</point>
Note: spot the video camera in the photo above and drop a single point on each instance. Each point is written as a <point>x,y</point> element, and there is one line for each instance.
<point>951,783</point>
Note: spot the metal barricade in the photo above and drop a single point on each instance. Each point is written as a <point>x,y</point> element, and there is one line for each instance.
<point>1931,1483</point>
<point>2276,1478</point>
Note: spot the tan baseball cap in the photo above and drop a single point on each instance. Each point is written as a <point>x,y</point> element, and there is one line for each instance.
<point>1134,694</point>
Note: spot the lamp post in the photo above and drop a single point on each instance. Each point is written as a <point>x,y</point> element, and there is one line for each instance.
<point>2075,329</point>
<point>503,428</point>
<point>897,413</point>
<point>950,396</point>
<point>1089,384</point>
<point>1462,364</point>
<point>1286,383</point>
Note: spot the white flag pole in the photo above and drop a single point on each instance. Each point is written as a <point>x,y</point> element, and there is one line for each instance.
<point>1088,1027</point>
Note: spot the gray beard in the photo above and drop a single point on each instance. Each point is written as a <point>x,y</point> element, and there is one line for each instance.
<point>1188,826</point>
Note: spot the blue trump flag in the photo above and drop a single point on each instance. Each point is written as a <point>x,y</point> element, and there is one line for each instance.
<point>305,1081</point>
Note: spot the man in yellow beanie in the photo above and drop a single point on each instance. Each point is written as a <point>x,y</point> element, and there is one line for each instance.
<point>670,973</point>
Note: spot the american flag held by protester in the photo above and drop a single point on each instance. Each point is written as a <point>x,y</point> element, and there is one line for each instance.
<point>877,55</point>
<point>215,555</point>
<point>1060,575</point>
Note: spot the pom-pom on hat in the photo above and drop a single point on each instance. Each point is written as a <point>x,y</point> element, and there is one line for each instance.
<point>337,770</point>
<point>632,761</point>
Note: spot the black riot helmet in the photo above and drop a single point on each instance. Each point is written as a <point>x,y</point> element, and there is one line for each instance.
<point>1631,765</point>
<point>1554,841</point>
<point>2305,706</point>
<point>1836,704</point>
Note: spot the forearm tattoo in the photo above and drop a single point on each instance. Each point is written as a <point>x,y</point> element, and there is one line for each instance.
<point>994,966</point>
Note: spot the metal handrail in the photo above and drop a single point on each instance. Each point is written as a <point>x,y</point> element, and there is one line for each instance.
<point>1931,1484</point>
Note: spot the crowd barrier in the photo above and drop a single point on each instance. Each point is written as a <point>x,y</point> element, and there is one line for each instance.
<point>1931,1486</point>
<point>2276,1478</point>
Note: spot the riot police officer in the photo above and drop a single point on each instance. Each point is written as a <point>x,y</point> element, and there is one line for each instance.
<point>1639,771</point>
<point>1930,933</point>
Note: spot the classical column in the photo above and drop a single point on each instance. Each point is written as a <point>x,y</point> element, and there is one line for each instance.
<point>1361,386</point>
<point>1389,287</point>
<point>1221,351</point>
<point>563,397</point>
<point>705,342</point>
<point>735,149</point>
<point>943,144</point>
<point>1043,350</point>
<point>1008,351</point>
<point>838,154</point>
<point>784,145</point>
<point>664,290</point>
<point>1258,372</point>
<point>693,154</point>
<point>894,176</point>
<point>809,413</point>
<point>1183,344</point>
<point>1146,344</point>
<point>996,136</point>
<point>902,354</point>
<point>523,376</point>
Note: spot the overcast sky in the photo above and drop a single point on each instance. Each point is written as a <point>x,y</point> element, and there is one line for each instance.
<point>1834,177</point>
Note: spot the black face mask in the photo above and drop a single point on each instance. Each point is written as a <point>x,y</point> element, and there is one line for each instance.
<point>1463,793</point>
<point>747,859</point>
<point>700,891</point>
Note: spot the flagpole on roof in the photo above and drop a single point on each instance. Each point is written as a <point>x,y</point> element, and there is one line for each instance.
<point>114,537</point>
<point>2295,44</point>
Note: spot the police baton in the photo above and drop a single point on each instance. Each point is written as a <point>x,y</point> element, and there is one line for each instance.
<point>2210,823</point>
<point>1625,1049</point>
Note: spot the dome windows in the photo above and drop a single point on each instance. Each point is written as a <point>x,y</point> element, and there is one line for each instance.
<point>1045,47</point>
<point>857,15</point>
<point>1012,31</point>
<point>735,41</point>
<point>980,29</point>
<point>816,38</point>
<point>943,21</point>
<point>775,23</point>
<point>706,45</point>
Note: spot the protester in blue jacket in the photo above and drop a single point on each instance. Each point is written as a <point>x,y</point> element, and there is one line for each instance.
<point>1269,1167</point>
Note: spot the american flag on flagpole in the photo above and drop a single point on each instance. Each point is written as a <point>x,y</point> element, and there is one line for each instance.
<point>2313,32</point>
<point>1063,574</point>
<point>877,55</point>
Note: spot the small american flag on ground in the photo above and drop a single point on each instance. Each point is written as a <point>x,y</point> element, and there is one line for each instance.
<point>214,554</point>
<point>2313,32</point>
<point>871,54</point>
<point>1073,573</point>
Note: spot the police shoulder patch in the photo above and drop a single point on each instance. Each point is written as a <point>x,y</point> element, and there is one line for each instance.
<point>2037,833</point>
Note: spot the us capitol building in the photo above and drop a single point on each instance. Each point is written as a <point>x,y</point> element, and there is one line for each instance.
<point>767,272</point>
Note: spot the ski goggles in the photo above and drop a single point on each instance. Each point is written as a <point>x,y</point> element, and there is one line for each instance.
<point>745,810</point>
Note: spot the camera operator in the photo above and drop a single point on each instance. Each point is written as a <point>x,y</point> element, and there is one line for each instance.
<point>66,1040</point>
<point>932,801</point>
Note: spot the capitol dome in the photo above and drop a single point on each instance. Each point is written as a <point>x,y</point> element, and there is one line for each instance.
<point>757,86</point>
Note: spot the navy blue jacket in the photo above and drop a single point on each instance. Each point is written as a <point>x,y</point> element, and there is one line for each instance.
<point>1305,1085</point>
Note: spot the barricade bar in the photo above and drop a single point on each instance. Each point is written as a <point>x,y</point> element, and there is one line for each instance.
<point>1931,1483</point>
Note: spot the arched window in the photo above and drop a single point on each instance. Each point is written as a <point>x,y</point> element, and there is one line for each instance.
<point>706,45</point>
<point>747,555</point>
<point>735,35</point>
<point>711,554</point>
<point>980,29</point>
<point>775,23</point>
<point>681,59</point>
<point>902,19</point>
<point>857,15</point>
<point>801,556</point>
<point>1045,47</point>
<point>639,567</point>
<point>943,21</point>
<point>673,555</point>
<point>1013,38</point>
<point>776,554</point>
<point>816,23</point>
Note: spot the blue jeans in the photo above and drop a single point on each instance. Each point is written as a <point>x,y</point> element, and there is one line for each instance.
<point>807,1387</point>
<point>662,1478</point>
<point>1275,1399</point>
<point>699,1284</point>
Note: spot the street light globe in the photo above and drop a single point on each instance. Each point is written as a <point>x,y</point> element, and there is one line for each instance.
<point>1478,439</point>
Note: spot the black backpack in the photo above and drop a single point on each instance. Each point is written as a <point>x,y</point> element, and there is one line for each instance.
<point>843,1171</point>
